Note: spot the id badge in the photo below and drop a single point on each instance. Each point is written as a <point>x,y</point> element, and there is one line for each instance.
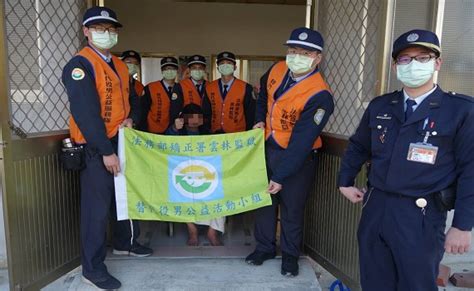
<point>422,153</point>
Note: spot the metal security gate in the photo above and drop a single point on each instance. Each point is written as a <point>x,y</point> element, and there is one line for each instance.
<point>37,38</point>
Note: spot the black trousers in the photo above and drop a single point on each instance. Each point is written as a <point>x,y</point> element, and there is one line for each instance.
<point>400,245</point>
<point>292,200</point>
<point>97,202</point>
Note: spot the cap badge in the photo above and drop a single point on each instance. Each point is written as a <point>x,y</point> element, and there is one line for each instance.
<point>132,53</point>
<point>104,13</point>
<point>413,37</point>
<point>196,58</point>
<point>226,55</point>
<point>168,60</point>
<point>303,36</point>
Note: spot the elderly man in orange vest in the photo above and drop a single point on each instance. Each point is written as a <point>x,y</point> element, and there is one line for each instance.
<point>230,99</point>
<point>98,88</point>
<point>293,107</point>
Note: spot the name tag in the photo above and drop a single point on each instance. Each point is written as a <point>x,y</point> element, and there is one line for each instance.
<point>422,153</point>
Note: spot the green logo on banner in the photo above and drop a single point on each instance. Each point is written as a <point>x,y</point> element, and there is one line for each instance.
<point>195,179</point>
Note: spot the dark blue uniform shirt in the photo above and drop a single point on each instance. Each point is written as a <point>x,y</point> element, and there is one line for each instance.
<point>304,132</point>
<point>383,137</point>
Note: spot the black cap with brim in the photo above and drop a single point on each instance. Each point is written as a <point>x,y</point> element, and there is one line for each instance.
<point>226,56</point>
<point>306,38</point>
<point>308,48</point>
<point>416,37</point>
<point>196,59</point>
<point>96,15</point>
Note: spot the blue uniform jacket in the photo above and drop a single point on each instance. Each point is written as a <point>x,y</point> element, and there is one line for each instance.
<point>383,137</point>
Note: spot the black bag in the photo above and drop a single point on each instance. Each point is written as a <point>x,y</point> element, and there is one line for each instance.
<point>73,158</point>
<point>445,199</point>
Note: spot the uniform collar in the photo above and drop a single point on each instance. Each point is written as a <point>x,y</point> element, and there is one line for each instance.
<point>229,84</point>
<point>104,57</point>
<point>420,98</point>
<point>302,77</point>
<point>196,83</point>
<point>431,102</point>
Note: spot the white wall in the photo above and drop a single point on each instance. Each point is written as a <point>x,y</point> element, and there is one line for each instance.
<point>184,28</point>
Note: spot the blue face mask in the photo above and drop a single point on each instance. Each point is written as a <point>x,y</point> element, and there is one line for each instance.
<point>415,74</point>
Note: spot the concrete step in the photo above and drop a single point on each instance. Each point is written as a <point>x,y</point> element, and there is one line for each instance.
<point>196,274</point>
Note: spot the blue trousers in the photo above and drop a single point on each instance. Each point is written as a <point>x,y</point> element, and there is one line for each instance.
<point>291,199</point>
<point>400,246</point>
<point>97,202</point>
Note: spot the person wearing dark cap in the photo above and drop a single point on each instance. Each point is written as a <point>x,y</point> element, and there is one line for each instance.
<point>156,102</point>
<point>133,60</point>
<point>293,106</point>
<point>193,89</point>
<point>97,85</point>
<point>419,141</point>
<point>231,100</point>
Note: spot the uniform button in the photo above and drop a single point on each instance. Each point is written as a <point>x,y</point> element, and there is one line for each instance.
<point>434,133</point>
<point>421,202</point>
<point>379,127</point>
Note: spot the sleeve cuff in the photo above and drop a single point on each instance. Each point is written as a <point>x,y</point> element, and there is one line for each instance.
<point>277,179</point>
<point>344,181</point>
<point>460,223</point>
<point>106,149</point>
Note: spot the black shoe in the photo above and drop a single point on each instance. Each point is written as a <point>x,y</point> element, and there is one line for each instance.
<point>289,265</point>
<point>109,282</point>
<point>137,250</point>
<point>257,257</point>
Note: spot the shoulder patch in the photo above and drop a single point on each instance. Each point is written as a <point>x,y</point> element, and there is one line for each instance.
<point>319,115</point>
<point>77,74</point>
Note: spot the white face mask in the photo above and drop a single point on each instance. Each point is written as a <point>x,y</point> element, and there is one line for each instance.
<point>299,64</point>
<point>170,74</point>
<point>105,40</point>
<point>415,74</point>
<point>197,75</point>
<point>226,69</point>
<point>132,69</point>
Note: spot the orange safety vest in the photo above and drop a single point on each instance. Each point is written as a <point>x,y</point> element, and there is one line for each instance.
<point>227,114</point>
<point>159,115</point>
<point>190,92</point>
<point>113,91</point>
<point>138,87</point>
<point>283,113</point>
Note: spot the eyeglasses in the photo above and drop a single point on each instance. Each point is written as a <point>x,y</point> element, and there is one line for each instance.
<point>405,60</point>
<point>101,29</point>
<point>292,51</point>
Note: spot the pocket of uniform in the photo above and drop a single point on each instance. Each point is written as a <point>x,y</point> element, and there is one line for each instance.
<point>72,159</point>
<point>381,130</point>
<point>439,137</point>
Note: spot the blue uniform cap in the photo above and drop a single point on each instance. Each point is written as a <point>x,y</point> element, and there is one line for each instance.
<point>226,56</point>
<point>98,14</point>
<point>131,54</point>
<point>169,61</point>
<point>306,38</point>
<point>416,37</point>
<point>196,59</point>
